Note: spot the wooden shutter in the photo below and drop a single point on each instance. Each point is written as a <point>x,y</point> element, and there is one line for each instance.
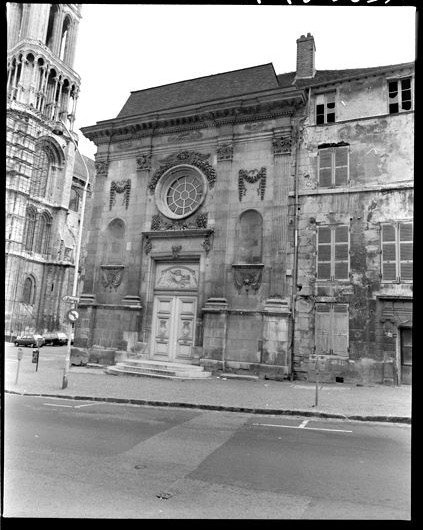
<point>406,251</point>
<point>341,165</point>
<point>339,331</point>
<point>389,265</point>
<point>325,167</point>
<point>341,253</point>
<point>322,329</point>
<point>324,253</point>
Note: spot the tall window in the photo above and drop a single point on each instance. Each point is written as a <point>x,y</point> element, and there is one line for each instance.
<point>29,230</point>
<point>400,95</point>
<point>333,166</point>
<point>331,327</point>
<point>397,252</point>
<point>28,291</point>
<point>41,173</point>
<point>333,252</point>
<point>75,197</point>
<point>43,234</point>
<point>64,38</point>
<point>325,108</point>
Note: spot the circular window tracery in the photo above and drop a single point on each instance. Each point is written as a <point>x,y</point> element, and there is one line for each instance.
<point>180,192</point>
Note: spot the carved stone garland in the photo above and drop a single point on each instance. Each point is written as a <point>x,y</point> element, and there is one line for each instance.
<point>111,276</point>
<point>252,177</point>
<point>124,186</point>
<point>185,157</point>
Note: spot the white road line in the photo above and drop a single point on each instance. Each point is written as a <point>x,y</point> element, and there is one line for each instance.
<point>304,423</point>
<point>87,405</point>
<point>300,427</point>
<point>57,405</point>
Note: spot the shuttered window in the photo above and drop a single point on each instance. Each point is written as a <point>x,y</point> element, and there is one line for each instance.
<point>397,252</point>
<point>333,166</point>
<point>333,251</point>
<point>331,329</point>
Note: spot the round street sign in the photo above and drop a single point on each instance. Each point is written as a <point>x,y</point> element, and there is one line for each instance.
<point>73,315</point>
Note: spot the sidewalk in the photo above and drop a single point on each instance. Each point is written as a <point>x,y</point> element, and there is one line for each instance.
<point>344,401</point>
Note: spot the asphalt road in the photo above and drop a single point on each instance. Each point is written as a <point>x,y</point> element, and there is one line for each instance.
<point>65,458</point>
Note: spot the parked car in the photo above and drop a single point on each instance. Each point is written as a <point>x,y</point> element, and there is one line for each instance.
<point>34,341</point>
<point>55,339</point>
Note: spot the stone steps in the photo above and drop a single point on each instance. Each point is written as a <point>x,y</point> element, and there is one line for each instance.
<point>162,369</point>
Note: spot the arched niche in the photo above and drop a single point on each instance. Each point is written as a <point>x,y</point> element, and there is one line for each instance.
<point>249,237</point>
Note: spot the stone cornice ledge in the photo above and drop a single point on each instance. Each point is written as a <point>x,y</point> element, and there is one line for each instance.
<point>189,232</point>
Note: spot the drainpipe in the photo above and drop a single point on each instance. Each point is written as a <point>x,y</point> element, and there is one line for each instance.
<point>298,140</point>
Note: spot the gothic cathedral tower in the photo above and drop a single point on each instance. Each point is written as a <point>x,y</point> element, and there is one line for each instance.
<point>41,225</point>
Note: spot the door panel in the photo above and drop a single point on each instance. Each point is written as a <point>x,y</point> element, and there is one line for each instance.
<point>186,307</point>
<point>406,355</point>
<point>163,310</point>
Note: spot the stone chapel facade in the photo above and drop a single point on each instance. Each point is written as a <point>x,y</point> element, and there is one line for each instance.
<point>44,174</point>
<point>230,212</point>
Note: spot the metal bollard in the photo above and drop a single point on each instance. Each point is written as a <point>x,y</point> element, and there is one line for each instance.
<point>20,355</point>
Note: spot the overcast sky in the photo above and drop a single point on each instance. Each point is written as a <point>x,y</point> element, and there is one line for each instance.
<point>127,47</point>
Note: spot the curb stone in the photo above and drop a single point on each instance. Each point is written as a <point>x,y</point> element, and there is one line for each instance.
<point>274,412</point>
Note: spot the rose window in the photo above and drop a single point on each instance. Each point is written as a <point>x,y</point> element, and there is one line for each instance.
<point>180,192</point>
<point>184,194</point>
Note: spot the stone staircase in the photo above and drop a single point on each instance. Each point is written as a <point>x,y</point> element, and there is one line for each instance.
<point>165,370</point>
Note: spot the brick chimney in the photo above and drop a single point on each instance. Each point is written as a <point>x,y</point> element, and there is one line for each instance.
<point>305,57</point>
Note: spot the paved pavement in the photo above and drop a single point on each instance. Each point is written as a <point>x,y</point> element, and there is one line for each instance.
<point>338,400</point>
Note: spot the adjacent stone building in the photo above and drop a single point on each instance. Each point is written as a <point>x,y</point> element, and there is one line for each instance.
<point>44,174</point>
<point>257,222</point>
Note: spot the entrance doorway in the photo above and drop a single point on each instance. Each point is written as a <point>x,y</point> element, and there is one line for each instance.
<point>173,327</point>
<point>406,338</point>
<point>174,311</point>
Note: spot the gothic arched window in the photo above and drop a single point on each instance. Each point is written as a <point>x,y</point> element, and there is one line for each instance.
<point>64,37</point>
<point>28,291</point>
<point>41,173</point>
<point>29,230</point>
<point>43,233</point>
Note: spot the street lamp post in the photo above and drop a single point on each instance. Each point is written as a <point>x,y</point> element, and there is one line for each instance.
<point>77,253</point>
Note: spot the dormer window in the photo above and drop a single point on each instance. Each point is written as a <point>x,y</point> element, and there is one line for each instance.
<point>399,95</point>
<point>325,108</point>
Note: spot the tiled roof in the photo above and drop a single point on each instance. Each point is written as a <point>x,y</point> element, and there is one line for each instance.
<point>201,90</point>
<point>331,76</point>
<point>231,84</point>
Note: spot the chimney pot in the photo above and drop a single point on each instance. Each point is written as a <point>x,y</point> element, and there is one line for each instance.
<point>305,57</point>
